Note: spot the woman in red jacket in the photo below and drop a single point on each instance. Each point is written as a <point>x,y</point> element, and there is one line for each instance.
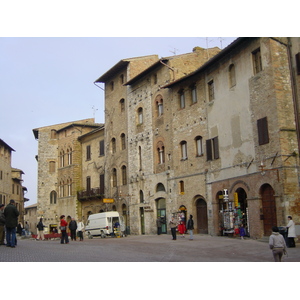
<point>63,228</point>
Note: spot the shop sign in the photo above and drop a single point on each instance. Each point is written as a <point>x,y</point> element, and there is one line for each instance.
<point>108,200</point>
<point>148,209</point>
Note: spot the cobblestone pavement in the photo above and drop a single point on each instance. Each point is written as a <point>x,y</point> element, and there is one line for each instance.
<point>149,248</point>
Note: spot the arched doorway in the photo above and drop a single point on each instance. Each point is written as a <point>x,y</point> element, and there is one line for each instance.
<point>268,208</point>
<point>202,220</point>
<point>161,213</point>
<point>241,209</point>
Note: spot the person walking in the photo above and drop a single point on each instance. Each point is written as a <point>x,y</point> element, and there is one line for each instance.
<point>63,228</point>
<point>80,229</point>
<point>190,227</point>
<point>158,225</point>
<point>173,226</point>
<point>26,227</point>
<point>73,227</point>
<point>2,224</point>
<point>277,244</point>
<point>291,233</point>
<point>242,231</point>
<point>11,214</point>
<point>40,226</point>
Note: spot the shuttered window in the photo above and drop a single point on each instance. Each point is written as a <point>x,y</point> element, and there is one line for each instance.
<point>212,148</point>
<point>263,132</point>
<point>298,63</point>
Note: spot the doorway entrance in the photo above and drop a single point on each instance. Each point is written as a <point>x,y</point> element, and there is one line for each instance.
<point>142,218</point>
<point>161,213</point>
<point>268,208</point>
<point>202,220</point>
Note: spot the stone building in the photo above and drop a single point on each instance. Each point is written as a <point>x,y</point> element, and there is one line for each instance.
<point>30,217</point>
<point>139,146</point>
<point>11,180</point>
<point>60,170</point>
<point>91,196</point>
<point>250,164</point>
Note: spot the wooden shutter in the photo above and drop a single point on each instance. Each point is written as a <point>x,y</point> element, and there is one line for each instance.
<point>263,133</point>
<point>208,150</point>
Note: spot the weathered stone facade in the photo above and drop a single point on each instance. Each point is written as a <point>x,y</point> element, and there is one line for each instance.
<point>60,170</point>
<point>11,181</point>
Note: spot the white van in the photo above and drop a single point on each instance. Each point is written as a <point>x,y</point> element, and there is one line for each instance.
<point>104,224</point>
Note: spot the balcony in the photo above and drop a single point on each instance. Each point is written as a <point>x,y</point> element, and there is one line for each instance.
<point>95,193</point>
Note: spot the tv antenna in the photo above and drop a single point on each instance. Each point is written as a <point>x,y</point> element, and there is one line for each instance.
<point>174,51</point>
<point>94,110</point>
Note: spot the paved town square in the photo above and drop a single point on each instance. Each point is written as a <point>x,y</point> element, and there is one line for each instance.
<point>145,248</point>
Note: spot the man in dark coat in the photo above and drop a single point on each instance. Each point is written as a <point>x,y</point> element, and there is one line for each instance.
<point>73,227</point>
<point>11,222</point>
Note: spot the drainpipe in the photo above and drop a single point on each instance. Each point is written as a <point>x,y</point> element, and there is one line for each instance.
<point>294,92</point>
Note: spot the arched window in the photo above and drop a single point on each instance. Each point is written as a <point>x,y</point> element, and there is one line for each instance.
<point>69,187</point>
<point>53,196</point>
<point>140,115</point>
<point>181,187</point>
<point>124,175</point>
<point>69,153</point>
<point>141,197</point>
<point>160,187</point>
<point>114,177</point>
<point>113,145</point>
<point>123,141</point>
<point>140,158</point>
<point>199,146</point>
<point>161,152</point>
<point>159,102</point>
<point>181,98</point>
<point>194,93</point>
<point>183,146</point>
<point>62,158</point>
<point>122,104</point>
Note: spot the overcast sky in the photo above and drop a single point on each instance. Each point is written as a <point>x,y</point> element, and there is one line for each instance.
<point>46,81</point>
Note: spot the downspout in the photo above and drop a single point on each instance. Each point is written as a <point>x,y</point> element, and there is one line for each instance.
<point>294,92</point>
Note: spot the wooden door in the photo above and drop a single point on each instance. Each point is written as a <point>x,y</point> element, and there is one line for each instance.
<point>202,220</point>
<point>269,209</point>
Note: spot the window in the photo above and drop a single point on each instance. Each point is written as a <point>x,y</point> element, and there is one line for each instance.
<point>232,79</point>
<point>211,90</point>
<point>112,85</point>
<point>113,145</point>
<point>140,115</point>
<point>69,183</point>
<point>122,104</point>
<point>123,141</point>
<point>160,187</point>
<point>69,153</point>
<point>114,177</point>
<point>161,153</point>
<point>159,102</point>
<point>194,93</point>
<point>61,189</point>
<point>263,132</point>
<point>257,65</point>
<point>141,197</point>
<point>181,98</point>
<point>88,183</point>
<point>88,152</point>
<point>62,158</point>
<point>52,166</point>
<point>124,175</point>
<point>181,187</point>
<point>199,147</point>
<point>212,148</point>
<point>155,79</point>
<point>101,148</point>
<point>140,158</point>
<point>183,146</point>
<point>101,184</point>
